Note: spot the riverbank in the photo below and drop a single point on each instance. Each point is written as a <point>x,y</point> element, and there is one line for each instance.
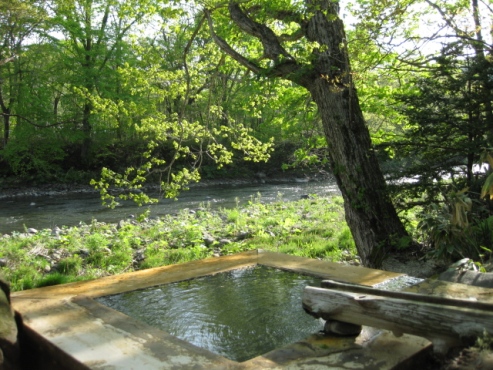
<point>9,189</point>
<point>313,228</point>
<point>70,209</point>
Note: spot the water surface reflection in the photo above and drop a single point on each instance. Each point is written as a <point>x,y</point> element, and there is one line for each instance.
<point>238,314</point>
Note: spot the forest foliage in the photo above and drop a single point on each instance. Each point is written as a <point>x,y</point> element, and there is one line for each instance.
<point>124,92</point>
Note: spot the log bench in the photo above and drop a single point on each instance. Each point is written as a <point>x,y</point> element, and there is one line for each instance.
<point>443,319</point>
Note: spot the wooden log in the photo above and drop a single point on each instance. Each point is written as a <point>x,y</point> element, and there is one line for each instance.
<point>363,289</point>
<point>443,325</point>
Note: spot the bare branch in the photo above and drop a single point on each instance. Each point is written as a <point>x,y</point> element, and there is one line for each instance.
<point>287,16</point>
<point>487,6</point>
<point>449,20</point>
<point>286,69</point>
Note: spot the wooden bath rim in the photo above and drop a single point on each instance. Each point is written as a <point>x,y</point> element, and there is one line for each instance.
<point>68,329</point>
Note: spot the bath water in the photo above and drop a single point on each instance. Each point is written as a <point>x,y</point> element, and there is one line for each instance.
<point>238,314</point>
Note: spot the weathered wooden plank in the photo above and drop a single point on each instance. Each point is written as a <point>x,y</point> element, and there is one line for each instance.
<point>416,297</point>
<point>444,325</point>
<point>325,269</point>
<point>452,290</point>
<point>138,279</point>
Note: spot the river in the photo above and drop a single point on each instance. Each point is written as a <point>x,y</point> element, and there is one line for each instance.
<point>19,213</point>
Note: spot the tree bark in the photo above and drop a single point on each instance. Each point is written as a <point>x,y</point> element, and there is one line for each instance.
<point>370,214</point>
<point>6,127</point>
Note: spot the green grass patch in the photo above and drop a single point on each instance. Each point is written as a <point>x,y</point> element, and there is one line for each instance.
<point>54,279</point>
<point>313,228</point>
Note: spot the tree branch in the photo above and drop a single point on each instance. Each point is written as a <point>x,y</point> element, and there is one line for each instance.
<point>35,124</point>
<point>185,64</point>
<point>7,60</point>
<point>272,47</point>
<point>449,20</point>
<point>295,36</point>
<point>229,50</point>
<point>286,68</point>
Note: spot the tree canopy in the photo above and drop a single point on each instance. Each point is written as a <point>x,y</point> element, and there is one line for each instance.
<point>176,91</point>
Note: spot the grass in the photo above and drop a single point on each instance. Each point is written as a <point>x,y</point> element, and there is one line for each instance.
<point>313,228</point>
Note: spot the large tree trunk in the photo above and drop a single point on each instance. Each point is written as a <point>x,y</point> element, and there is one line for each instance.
<point>370,215</point>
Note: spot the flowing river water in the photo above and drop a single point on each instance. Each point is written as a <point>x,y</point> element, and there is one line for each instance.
<point>39,212</point>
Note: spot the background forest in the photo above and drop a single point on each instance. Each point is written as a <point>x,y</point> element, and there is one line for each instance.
<point>124,91</point>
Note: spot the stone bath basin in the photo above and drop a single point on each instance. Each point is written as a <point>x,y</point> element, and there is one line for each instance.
<point>65,328</point>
